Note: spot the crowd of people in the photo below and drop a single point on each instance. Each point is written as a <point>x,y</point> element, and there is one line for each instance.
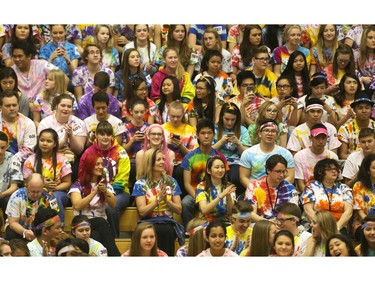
<point>261,137</point>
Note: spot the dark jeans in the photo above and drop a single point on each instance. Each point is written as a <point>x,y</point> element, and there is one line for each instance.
<point>113,214</point>
<point>101,231</point>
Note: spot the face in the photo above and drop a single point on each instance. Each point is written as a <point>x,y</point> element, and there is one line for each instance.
<point>268,135</point>
<point>201,90</point>
<point>65,108</point>
<point>284,88</point>
<point>209,41</point>
<point>171,59</point>
<point>229,120</point>
<point>103,35</point>
<point>54,230</point>
<point>101,110</point>
<point>147,239</point>
<point>370,40</point>
<point>314,115</point>
<point>10,107</point>
<point>167,87</point>
<point>134,59</point>
<point>22,31</point>
<point>156,136</point>
<point>19,253</point>
<point>216,238</point>
<point>362,111</point>
<point>369,233</point>
<point>34,190</point>
<point>319,90</point>
<point>271,234</point>
<point>329,32</point>
<point>331,173</point>
<point>5,251</point>
<point>217,170</point>
<point>3,148</point>
<point>248,82</point>
<point>138,112</point>
<point>159,165</point>
<point>98,169</point>
<point>285,222</point>
<point>367,144</point>
<point>283,246</point>
<point>261,61</point>
<point>20,59</point>
<point>46,142</point>
<point>141,32</point>
<point>319,141</point>
<point>205,136</point>
<point>7,83</point>
<point>350,86</point>
<point>241,225</point>
<point>175,116</point>
<point>315,228</point>
<point>278,173</point>
<point>214,65</point>
<point>83,232</point>
<point>294,36</point>
<point>271,112</point>
<point>255,36</point>
<point>58,33</point>
<point>179,33</point>
<point>94,55</point>
<point>343,60</point>
<point>104,140</point>
<point>299,63</point>
<point>338,248</point>
<point>142,91</point>
<point>50,83</point>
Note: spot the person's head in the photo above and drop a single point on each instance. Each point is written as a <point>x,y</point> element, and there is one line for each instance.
<point>176,113</point>
<point>101,82</point>
<point>100,103</point>
<point>215,235</point>
<point>34,186</point>
<point>314,110</point>
<point>9,105</point>
<point>141,32</point>
<point>367,44</point>
<point>215,170</point>
<point>104,134</point>
<point>92,171</point>
<point>268,110</point>
<point>91,54</point>
<point>22,53</point>
<point>81,227</point>
<point>205,93</point>
<point>72,247</point>
<point>349,84</point>
<point>283,244</point>
<point>343,59</point>
<point>318,138</point>
<point>212,62</point>
<point>47,223</point>
<point>339,245</point>
<point>144,240</point>
<point>367,234</point>
<point>328,33</point>
<point>195,229</point>
<point>262,238</point>
<point>297,62</point>
<point>318,84</point>
<point>276,168</point>
<point>5,250</point>
<point>48,142</point>
<point>288,216</point>
<point>58,32</point>
<point>103,35</point>
<point>22,32</point>
<point>366,172</point>
<point>55,81</point>
<point>138,88</point>
<point>292,34</point>
<point>170,87</point>
<point>170,56</point>
<point>155,137</point>
<point>327,170</point>
<point>137,109</point>
<point>176,33</point>
<point>153,164</point>
<point>253,34</point>
<point>205,132</point>
<point>8,79</point>
<point>229,119</point>
<point>19,248</point>
<point>241,215</point>
<point>211,40</point>
<point>323,225</point>
<point>245,81</point>
<point>268,131</point>
<point>260,58</point>
<point>63,105</point>
<point>366,138</point>
<point>362,106</point>
<point>286,87</point>
<point>130,59</point>
<point>4,145</point>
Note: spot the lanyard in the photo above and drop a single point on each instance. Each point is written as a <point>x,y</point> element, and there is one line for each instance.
<point>269,196</point>
<point>328,197</point>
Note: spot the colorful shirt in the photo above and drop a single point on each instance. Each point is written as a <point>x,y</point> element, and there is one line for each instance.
<point>97,249</point>
<point>152,110</point>
<point>223,89</point>
<point>147,56</point>
<point>129,133</point>
<point>110,59</point>
<point>198,30</point>
<point>92,122</point>
<point>150,191</point>
<point>226,62</point>
<point>10,171</point>
<point>328,57</point>
<point>84,32</point>
<point>231,237</point>
<point>329,199</point>
<point>45,106</point>
<point>268,198</point>
<point>330,101</point>
<point>266,84</point>
<point>281,56</point>
<point>364,199</point>
<point>85,108</point>
<point>123,30</point>
<point>119,83</point>
<point>227,253</point>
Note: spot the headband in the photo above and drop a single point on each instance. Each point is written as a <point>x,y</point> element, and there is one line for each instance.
<point>317,131</point>
<point>194,230</point>
<point>314,106</point>
<point>267,124</point>
<point>246,215</point>
<point>48,222</point>
<point>66,249</point>
<point>369,223</point>
<point>84,223</point>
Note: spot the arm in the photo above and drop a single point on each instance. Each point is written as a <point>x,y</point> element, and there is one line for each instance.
<point>174,204</point>
<point>283,140</point>
<point>346,215</point>
<point>80,203</point>
<point>254,216</point>
<point>245,176</point>
<point>290,176</point>
<point>12,188</point>
<point>144,209</point>
<point>37,117</point>
<point>309,210</point>
<point>187,183</point>
<point>66,182</point>
<point>277,69</point>
<point>300,185</point>
<point>193,42</point>
<point>343,151</point>
<point>77,144</point>
<point>19,229</point>
<point>206,208</point>
<point>78,92</point>
<point>310,248</point>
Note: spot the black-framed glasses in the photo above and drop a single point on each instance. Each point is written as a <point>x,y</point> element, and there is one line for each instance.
<point>262,59</point>
<point>282,220</point>
<point>283,87</point>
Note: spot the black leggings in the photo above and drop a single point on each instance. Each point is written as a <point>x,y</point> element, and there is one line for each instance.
<point>101,231</point>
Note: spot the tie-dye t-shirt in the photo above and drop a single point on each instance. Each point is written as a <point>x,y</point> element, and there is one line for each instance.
<point>129,133</point>
<point>281,56</point>
<point>10,171</point>
<point>364,199</point>
<point>328,199</point>
<point>195,162</point>
<point>231,237</point>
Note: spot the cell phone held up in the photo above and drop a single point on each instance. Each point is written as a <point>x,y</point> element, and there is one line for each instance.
<point>175,136</point>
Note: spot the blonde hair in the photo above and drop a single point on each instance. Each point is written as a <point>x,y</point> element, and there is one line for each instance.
<point>58,76</point>
<point>327,223</point>
<point>287,28</point>
<point>197,243</point>
<point>180,71</point>
<point>218,45</point>
<point>109,46</point>
<point>320,46</point>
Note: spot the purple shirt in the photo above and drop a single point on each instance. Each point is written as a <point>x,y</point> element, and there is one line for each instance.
<point>85,108</point>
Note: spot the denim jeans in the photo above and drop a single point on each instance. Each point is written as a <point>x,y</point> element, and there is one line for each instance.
<point>113,214</point>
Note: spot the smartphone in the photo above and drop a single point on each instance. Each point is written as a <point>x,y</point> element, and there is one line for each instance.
<point>230,134</point>
<point>175,136</point>
<point>140,133</point>
<point>287,97</point>
<point>60,45</point>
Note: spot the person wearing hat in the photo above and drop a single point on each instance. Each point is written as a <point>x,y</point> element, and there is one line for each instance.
<point>306,159</point>
<point>299,138</point>
<point>348,133</point>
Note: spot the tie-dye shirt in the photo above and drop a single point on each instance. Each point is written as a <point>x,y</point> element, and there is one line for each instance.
<point>267,198</point>
<point>84,32</point>
<point>110,59</point>
<point>44,106</point>
<point>364,199</point>
<point>231,237</point>
<point>10,171</point>
<point>85,108</point>
<point>281,56</point>
<point>328,199</point>
<point>129,133</point>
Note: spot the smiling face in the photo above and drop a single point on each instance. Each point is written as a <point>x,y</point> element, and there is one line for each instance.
<point>283,246</point>
<point>217,170</point>
<point>216,238</point>
<point>329,32</point>
<point>369,232</point>
<point>21,60</point>
<point>159,165</point>
<point>201,90</point>
<point>315,228</point>
<point>64,108</point>
<point>155,136</point>
<point>167,87</point>
<point>98,169</point>
<point>58,33</point>
<point>104,141</point>
<point>362,111</point>
<point>338,248</point>
<point>171,59</point>
<point>141,91</point>
<point>294,36</point>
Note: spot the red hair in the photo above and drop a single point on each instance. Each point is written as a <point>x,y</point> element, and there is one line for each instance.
<point>88,166</point>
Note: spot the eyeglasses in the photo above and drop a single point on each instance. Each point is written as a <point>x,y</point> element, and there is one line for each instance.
<point>283,172</point>
<point>142,89</point>
<point>283,87</point>
<point>263,59</point>
<point>269,110</point>
<point>280,220</point>
<point>268,132</point>
<point>156,134</point>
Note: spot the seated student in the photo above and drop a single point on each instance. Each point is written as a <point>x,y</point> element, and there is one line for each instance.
<point>5,250</point>
<point>340,245</point>
<point>239,232</point>
<point>299,138</point>
<point>19,248</point>
<point>101,84</point>
<point>366,247</point>
<point>283,244</point>
<point>348,133</point>
<point>271,190</point>
<point>10,174</point>
<point>288,218</point>
<point>306,158</point>
<point>366,139</point>
<point>72,247</point>
<point>100,103</point>
<point>47,226</point>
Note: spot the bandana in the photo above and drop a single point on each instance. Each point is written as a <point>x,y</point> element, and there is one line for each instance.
<point>84,223</point>
<point>242,215</point>
<point>266,125</point>
<point>66,249</point>
<point>194,230</point>
<point>369,223</point>
<point>314,106</point>
<point>48,222</point>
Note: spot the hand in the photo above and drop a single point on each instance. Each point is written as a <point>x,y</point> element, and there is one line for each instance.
<point>366,79</point>
<point>229,189</point>
<point>163,192</point>
<point>50,184</point>
<point>45,248</point>
<point>29,235</point>
<point>68,130</point>
<point>349,114</point>
<point>121,40</point>
<point>139,136</point>
<point>149,67</point>
<point>248,97</point>
<point>224,139</point>
<point>102,186</point>
<point>233,139</point>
